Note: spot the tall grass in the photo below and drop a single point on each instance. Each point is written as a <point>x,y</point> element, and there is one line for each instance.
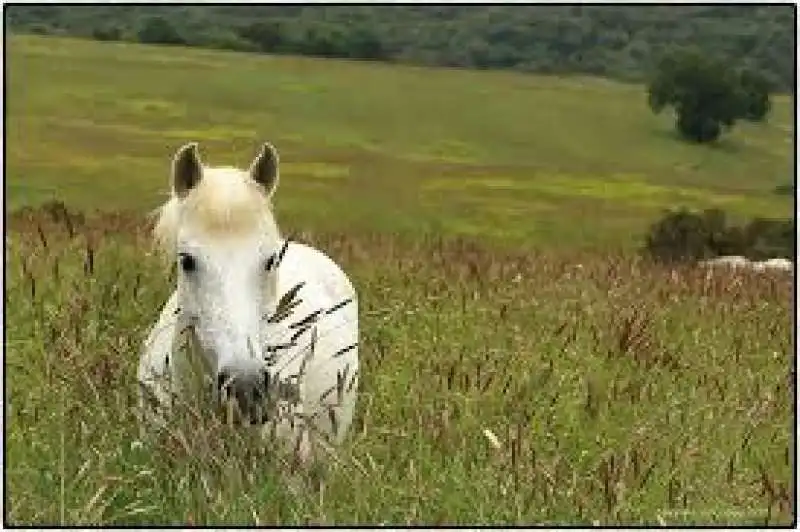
<point>497,387</point>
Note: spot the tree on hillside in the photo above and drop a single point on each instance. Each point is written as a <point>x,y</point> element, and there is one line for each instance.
<point>266,35</point>
<point>107,33</point>
<point>754,93</point>
<point>159,30</point>
<point>706,94</point>
<point>363,43</point>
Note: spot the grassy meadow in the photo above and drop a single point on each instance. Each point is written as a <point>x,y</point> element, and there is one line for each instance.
<point>619,392</point>
<point>572,162</point>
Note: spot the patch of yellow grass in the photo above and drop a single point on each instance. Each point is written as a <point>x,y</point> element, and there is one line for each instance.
<point>627,188</point>
<point>320,170</point>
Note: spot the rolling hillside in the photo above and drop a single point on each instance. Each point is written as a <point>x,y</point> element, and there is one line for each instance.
<point>577,161</point>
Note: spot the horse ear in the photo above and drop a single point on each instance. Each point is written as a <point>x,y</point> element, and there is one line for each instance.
<point>187,170</point>
<point>264,169</point>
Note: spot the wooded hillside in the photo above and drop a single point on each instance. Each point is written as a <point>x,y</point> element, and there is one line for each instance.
<point>621,42</point>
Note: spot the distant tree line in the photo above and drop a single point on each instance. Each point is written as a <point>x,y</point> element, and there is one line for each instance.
<point>616,41</point>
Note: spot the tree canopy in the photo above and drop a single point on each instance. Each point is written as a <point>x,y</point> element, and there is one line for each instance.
<point>707,93</point>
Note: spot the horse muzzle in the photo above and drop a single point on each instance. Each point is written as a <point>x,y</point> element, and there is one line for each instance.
<point>254,398</point>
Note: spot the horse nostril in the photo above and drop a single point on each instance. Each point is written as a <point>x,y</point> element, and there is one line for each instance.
<point>223,379</point>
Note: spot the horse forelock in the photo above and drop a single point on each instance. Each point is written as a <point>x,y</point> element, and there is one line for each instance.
<point>224,205</point>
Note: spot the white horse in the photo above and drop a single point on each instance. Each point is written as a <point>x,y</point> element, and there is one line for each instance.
<point>264,315</point>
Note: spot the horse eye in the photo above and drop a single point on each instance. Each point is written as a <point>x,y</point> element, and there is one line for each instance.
<point>188,264</point>
<point>270,263</point>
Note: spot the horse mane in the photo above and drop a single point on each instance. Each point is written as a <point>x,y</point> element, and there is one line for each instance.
<point>226,203</point>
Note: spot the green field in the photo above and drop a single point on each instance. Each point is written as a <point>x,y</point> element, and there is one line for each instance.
<point>620,392</point>
<point>574,162</point>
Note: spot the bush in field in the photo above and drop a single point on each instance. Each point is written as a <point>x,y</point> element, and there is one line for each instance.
<point>764,238</point>
<point>685,236</point>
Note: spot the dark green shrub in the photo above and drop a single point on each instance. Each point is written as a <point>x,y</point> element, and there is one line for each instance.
<point>766,238</point>
<point>685,236</point>
<point>681,236</point>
